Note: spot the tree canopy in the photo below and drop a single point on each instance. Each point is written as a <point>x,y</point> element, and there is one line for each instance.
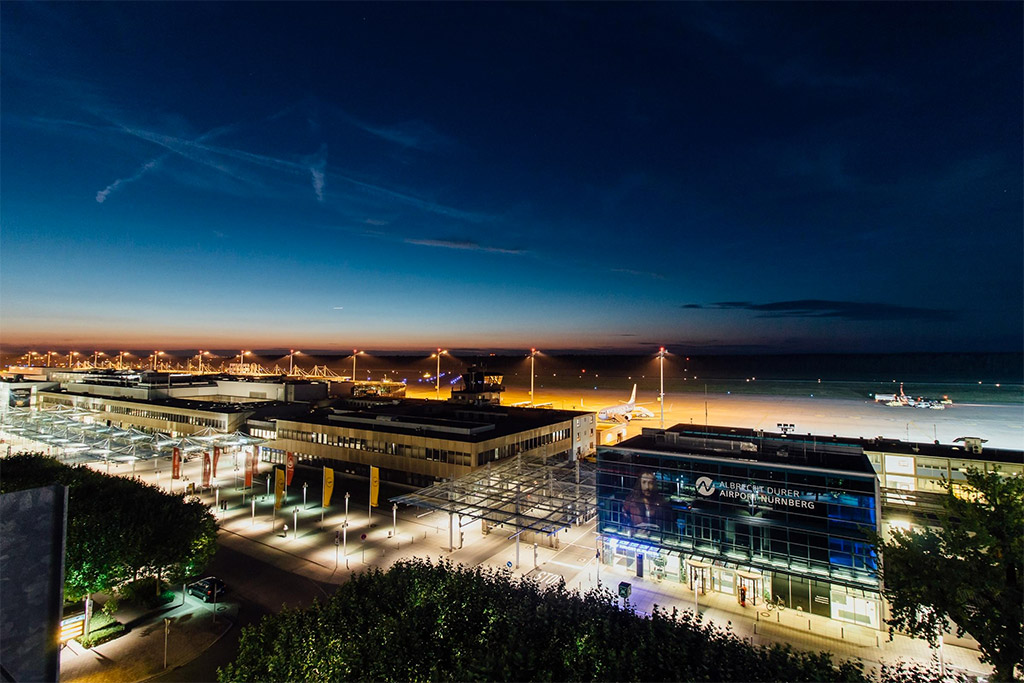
<point>118,528</point>
<point>968,570</point>
<point>441,622</point>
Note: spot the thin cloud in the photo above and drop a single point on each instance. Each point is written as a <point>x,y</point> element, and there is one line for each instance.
<point>317,166</point>
<point>152,164</point>
<point>465,245</point>
<point>102,195</point>
<point>819,308</point>
<point>639,273</point>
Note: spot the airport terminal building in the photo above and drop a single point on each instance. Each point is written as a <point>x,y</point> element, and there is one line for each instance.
<point>769,514</point>
<point>742,515</point>
<point>418,442</point>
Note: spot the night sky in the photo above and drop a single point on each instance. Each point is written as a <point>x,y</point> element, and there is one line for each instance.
<point>711,177</point>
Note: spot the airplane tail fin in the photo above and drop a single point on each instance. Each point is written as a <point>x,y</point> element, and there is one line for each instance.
<point>632,397</point>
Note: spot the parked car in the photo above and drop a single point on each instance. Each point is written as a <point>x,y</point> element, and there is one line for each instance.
<point>208,589</point>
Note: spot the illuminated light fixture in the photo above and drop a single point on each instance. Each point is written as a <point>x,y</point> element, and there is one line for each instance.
<point>661,395</point>
<point>354,354</point>
<point>437,379</point>
<point>533,355</point>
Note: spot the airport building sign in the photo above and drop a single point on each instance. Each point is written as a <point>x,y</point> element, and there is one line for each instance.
<point>756,494</point>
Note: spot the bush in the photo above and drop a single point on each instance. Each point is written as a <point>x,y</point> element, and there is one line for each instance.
<point>102,628</point>
<point>110,606</point>
<point>143,593</point>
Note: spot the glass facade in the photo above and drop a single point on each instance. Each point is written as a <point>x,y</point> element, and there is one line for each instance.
<point>798,533</point>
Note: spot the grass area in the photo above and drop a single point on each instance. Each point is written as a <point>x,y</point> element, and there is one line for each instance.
<point>102,628</point>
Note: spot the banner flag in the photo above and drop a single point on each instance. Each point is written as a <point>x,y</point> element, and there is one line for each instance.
<point>278,487</point>
<point>248,467</point>
<point>374,485</point>
<point>206,469</point>
<point>216,457</point>
<point>176,463</point>
<point>328,485</point>
<point>255,460</point>
<point>291,469</point>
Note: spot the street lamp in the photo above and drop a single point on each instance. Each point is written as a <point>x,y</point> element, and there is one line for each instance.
<point>437,377</point>
<point>120,358</point>
<point>71,354</point>
<point>241,357</point>
<point>533,354</point>
<point>95,357</point>
<point>200,357</point>
<point>295,523</point>
<point>155,355</point>
<point>305,485</point>
<point>48,354</point>
<point>291,361</point>
<point>661,399</point>
<point>354,354</point>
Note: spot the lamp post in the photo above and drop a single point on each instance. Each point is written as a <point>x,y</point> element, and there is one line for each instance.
<point>96,356</point>
<point>71,355</point>
<point>346,508</point>
<point>354,354</point>
<point>305,485</point>
<point>167,630</point>
<point>394,520</point>
<point>661,398</point>
<point>156,354</point>
<point>533,354</point>
<point>437,377</point>
<point>295,523</point>
<point>291,362</point>
<point>120,359</point>
<point>241,357</point>
<point>48,354</point>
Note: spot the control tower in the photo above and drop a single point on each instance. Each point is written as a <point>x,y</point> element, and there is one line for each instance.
<point>478,388</point>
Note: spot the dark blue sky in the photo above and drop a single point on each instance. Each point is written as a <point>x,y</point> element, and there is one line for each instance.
<point>712,177</point>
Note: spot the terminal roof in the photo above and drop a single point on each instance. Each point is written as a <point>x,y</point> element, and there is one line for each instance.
<point>440,419</point>
<point>524,493</point>
<point>746,445</point>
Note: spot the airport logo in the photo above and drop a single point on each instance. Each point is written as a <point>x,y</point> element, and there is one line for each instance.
<point>705,486</point>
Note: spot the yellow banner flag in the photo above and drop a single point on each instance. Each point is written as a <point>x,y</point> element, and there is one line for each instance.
<point>278,487</point>
<point>374,485</point>
<point>328,485</point>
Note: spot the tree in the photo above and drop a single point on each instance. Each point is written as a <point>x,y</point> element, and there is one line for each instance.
<point>118,527</point>
<point>968,570</point>
<point>441,622</point>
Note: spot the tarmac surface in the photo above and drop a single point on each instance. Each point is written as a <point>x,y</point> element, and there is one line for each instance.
<point>311,552</point>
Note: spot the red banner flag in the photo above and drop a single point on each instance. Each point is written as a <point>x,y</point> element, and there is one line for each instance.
<point>248,467</point>
<point>216,457</point>
<point>291,469</point>
<point>206,469</point>
<point>176,463</point>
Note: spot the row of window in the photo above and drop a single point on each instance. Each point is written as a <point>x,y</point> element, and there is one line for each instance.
<point>419,452</point>
<point>104,407</point>
<point>512,449</point>
<point>379,446</point>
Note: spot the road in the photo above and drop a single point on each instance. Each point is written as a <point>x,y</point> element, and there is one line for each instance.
<point>257,588</point>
